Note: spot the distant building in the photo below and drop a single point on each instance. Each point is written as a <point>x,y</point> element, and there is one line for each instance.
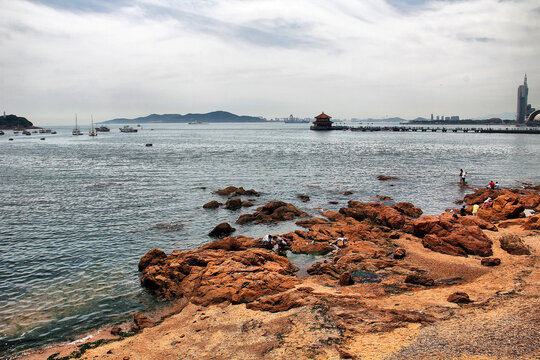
<point>431,117</point>
<point>438,118</point>
<point>322,122</point>
<point>522,106</point>
<point>454,117</point>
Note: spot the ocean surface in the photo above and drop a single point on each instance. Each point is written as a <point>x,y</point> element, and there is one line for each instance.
<point>77,213</point>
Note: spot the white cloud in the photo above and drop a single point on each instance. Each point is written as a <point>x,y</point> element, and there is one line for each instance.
<point>270,58</point>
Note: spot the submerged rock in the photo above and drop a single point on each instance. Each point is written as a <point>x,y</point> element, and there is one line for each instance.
<point>223,229</point>
<point>212,204</point>
<point>234,191</point>
<point>233,204</point>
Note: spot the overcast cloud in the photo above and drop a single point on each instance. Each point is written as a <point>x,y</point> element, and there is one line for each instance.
<point>350,58</point>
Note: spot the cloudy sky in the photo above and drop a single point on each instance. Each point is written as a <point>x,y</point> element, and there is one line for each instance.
<point>271,58</point>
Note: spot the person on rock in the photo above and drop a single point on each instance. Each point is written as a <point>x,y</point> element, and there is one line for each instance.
<point>282,243</point>
<point>340,242</point>
<point>497,186</point>
<point>267,241</point>
<point>463,178</point>
<point>463,211</point>
<point>487,203</point>
<point>475,209</point>
<point>491,185</point>
<point>460,175</point>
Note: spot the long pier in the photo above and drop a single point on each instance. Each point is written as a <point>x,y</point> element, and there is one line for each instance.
<point>488,130</point>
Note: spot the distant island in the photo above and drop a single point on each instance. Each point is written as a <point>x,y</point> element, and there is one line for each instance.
<point>9,122</point>
<point>211,117</point>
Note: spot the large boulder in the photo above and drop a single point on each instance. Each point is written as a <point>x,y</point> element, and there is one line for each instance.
<point>513,244</point>
<point>377,213</point>
<point>272,212</point>
<point>210,276</point>
<point>507,206</point>
<point>447,235</point>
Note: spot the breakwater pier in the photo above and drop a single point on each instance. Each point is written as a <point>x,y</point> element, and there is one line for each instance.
<point>486,130</point>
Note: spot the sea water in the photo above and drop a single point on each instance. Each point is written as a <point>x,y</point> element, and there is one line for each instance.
<point>77,213</point>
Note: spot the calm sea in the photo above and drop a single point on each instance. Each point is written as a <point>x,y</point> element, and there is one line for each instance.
<point>77,213</point>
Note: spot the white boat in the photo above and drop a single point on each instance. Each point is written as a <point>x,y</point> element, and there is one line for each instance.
<point>92,131</point>
<point>128,129</point>
<point>76,131</point>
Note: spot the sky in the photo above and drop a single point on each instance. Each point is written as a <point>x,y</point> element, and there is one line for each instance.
<point>270,58</point>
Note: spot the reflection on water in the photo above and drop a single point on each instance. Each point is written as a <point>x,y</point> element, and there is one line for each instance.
<point>79,212</point>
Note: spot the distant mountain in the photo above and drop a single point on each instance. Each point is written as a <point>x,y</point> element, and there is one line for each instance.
<point>503,116</point>
<point>14,121</point>
<point>214,117</point>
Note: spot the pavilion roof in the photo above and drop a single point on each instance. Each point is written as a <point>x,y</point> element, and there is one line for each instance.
<point>323,116</point>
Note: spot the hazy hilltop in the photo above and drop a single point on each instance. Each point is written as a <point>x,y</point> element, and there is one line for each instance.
<point>14,121</point>
<point>216,116</point>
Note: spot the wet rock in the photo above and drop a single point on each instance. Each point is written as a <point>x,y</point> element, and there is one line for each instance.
<point>231,243</point>
<point>233,204</point>
<point>247,204</point>
<point>304,198</point>
<point>347,193</point>
<point>223,229</point>
<point>333,202</point>
<point>399,253</point>
<point>346,279</point>
<point>153,257</point>
<point>375,212</point>
<point>419,280</point>
<point>459,298</point>
<point>234,191</point>
<point>272,212</point>
<point>385,178</point>
<point>141,321</point>
<point>491,261</point>
<point>513,244</point>
<point>383,198</point>
<point>212,204</point>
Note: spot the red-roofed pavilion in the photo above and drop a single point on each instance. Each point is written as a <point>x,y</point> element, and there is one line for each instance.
<point>322,122</point>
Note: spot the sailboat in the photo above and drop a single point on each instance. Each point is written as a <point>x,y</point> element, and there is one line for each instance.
<point>92,131</point>
<point>76,131</point>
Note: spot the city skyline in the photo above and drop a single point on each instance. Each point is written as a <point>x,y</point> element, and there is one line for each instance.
<point>369,59</point>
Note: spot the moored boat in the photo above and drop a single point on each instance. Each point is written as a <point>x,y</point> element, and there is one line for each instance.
<point>103,128</point>
<point>128,129</point>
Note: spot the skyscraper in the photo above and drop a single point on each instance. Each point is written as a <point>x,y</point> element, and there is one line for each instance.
<point>523,92</point>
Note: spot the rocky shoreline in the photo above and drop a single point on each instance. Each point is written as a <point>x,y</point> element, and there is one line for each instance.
<point>403,286</point>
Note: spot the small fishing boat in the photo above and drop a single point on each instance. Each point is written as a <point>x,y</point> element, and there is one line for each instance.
<point>92,131</point>
<point>103,128</point>
<point>76,131</point>
<point>128,129</point>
